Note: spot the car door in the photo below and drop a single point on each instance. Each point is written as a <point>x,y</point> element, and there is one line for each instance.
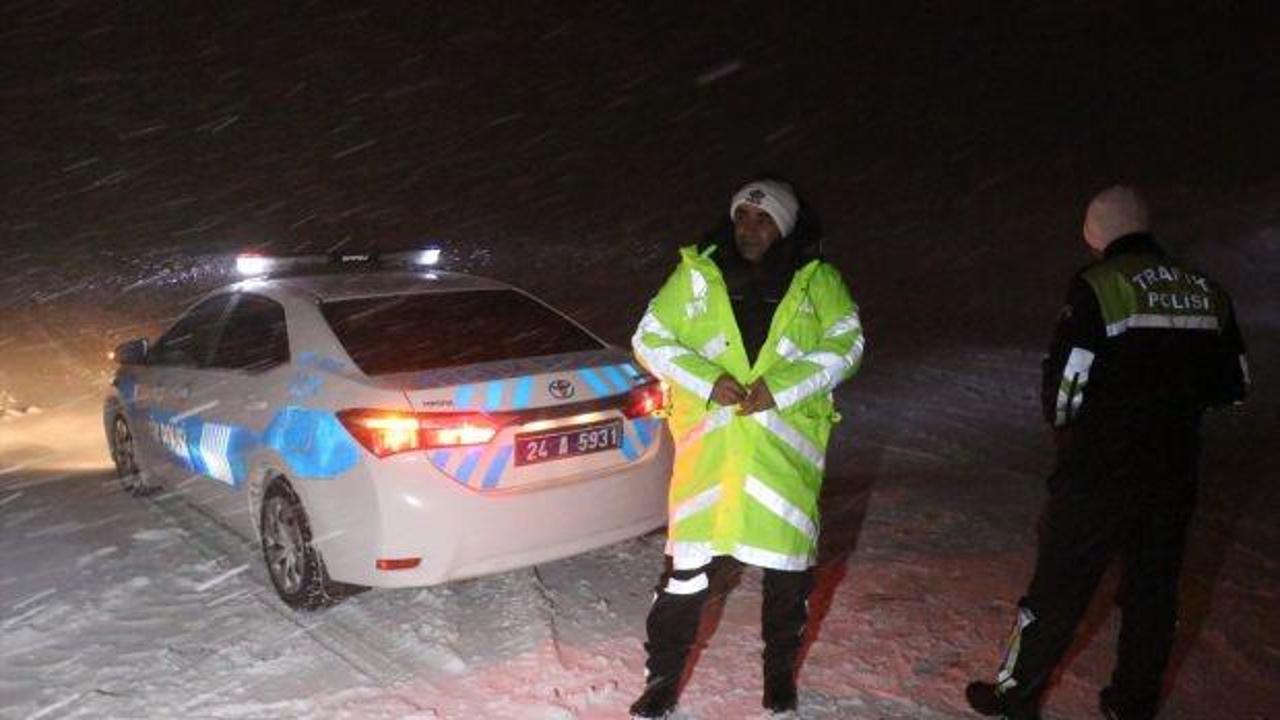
<point>168,397</point>
<point>244,383</point>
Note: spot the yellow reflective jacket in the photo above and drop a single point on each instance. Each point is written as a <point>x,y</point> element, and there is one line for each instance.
<point>747,486</point>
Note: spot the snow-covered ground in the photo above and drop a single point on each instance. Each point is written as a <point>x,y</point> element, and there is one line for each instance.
<point>950,152</point>
<point>119,607</point>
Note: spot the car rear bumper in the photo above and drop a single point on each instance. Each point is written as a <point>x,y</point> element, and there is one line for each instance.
<point>412,510</point>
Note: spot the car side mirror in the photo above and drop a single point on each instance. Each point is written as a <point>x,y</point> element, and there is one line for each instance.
<point>133,352</point>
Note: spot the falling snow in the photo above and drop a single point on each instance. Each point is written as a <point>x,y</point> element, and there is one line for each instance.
<point>949,150</point>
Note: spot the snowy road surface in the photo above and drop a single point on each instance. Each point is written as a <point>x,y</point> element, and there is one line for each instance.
<point>120,607</point>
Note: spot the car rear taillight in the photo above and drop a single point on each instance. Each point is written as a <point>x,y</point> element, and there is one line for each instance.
<point>385,433</point>
<point>645,400</point>
<point>398,563</point>
<point>382,433</point>
<point>453,429</point>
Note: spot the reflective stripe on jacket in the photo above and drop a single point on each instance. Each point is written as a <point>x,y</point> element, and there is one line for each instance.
<point>747,486</point>
<point>1142,336</point>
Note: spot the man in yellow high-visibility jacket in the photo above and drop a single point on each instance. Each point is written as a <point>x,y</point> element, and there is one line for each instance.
<point>750,336</point>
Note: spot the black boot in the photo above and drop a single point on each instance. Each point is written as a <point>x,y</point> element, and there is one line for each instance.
<point>779,690</point>
<point>671,628</point>
<point>1115,706</point>
<point>1107,707</point>
<point>986,699</point>
<point>782,618</point>
<point>658,699</point>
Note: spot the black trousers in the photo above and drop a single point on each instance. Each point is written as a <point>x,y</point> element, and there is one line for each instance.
<point>681,596</point>
<point>1105,501</point>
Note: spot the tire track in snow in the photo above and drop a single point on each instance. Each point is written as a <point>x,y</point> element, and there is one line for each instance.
<point>361,645</point>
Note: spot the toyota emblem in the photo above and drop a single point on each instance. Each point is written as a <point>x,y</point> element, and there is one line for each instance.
<point>560,388</point>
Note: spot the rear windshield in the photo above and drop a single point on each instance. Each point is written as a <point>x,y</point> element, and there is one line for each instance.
<point>424,331</point>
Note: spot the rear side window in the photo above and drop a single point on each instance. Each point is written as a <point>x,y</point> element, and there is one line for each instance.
<point>188,342</point>
<point>409,333</point>
<point>254,336</point>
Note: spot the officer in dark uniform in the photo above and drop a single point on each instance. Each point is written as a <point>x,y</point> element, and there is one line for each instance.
<point>1142,348</point>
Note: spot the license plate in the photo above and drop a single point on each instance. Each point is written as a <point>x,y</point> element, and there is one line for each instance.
<point>533,448</point>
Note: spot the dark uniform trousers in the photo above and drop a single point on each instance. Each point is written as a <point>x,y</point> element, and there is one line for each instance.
<point>672,626</point>
<point>1127,491</point>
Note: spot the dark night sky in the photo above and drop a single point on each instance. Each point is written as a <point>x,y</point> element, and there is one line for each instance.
<point>945,147</point>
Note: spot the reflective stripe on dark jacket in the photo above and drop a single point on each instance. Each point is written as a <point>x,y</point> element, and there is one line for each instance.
<point>1142,340</point>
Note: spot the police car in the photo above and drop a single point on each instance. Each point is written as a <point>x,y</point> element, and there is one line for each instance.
<point>391,427</point>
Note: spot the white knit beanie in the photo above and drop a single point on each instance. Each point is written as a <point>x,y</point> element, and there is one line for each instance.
<point>1114,213</point>
<point>774,197</point>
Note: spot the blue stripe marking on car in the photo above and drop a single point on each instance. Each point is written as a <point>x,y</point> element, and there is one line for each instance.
<point>496,468</point>
<point>462,397</point>
<point>205,463</point>
<point>173,437</point>
<point>493,395</point>
<point>468,466</point>
<point>616,377</point>
<point>628,448</point>
<point>242,442</point>
<point>440,458</point>
<point>524,389</point>
<point>305,385</point>
<point>320,362</point>
<point>312,442</point>
<point>644,430</point>
<point>597,385</point>
<point>191,437</point>
<point>195,437</point>
<point>223,452</point>
<point>212,449</point>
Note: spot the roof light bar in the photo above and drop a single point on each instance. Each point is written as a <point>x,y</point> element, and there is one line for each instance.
<point>252,265</point>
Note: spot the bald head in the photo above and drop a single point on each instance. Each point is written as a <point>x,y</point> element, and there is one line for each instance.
<point>1114,213</point>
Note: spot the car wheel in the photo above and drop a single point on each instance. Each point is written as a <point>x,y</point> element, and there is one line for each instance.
<point>124,453</point>
<point>295,567</point>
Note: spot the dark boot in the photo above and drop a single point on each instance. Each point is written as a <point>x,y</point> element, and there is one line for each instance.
<point>1107,706</point>
<point>986,699</point>
<point>672,627</point>
<point>779,690</point>
<point>783,617</point>
<point>658,699</point>
<point>1115,706</point>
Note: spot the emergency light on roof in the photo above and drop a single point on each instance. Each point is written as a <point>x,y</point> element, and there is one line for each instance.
<point>252,265</point>
<point>255,265</point>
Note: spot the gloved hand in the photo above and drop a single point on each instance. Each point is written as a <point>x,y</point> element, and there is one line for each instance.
<point>727,391</point>
<point>758,399</point>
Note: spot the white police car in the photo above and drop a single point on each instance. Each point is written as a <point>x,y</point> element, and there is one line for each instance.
<point>392,428</point>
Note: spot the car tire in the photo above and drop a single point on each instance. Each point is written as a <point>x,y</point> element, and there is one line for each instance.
<point>124,454</point>
<point>293,563</point>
